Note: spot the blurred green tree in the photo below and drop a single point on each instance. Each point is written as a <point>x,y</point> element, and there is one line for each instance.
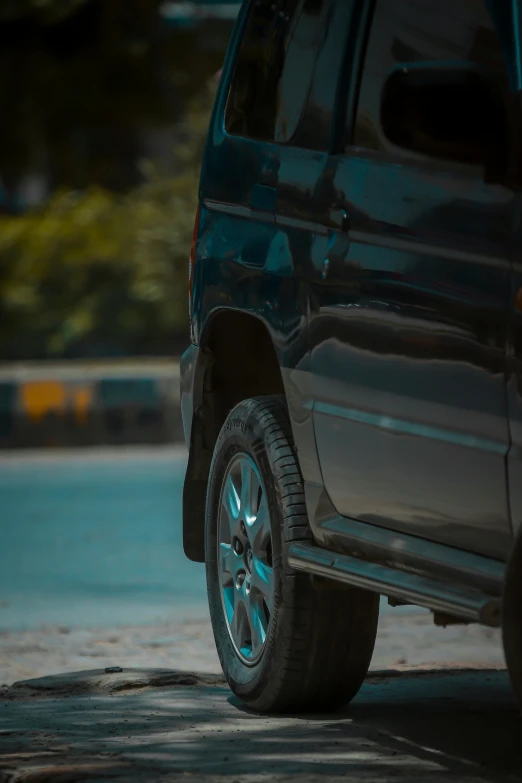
<point>98,268</point>
<point>102,267</point>
<point>79,93</point>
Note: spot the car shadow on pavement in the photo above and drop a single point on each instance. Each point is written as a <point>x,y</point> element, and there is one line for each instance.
<point>165,725</point>
<point>466,720</point>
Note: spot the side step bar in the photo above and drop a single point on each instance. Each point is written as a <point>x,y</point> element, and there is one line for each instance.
<point>417,555</point>
<point>411,588</point>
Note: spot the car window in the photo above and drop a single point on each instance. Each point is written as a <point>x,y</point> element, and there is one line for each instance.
<point>315,126</point>
<point>275,67</point>
<point>448,33</point>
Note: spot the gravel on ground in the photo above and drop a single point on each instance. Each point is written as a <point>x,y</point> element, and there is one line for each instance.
<point>406,638</point>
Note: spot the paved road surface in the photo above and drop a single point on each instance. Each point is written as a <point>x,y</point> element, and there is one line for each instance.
<point>432,727</point>
<point>92,573</point>
<point>94,538</point>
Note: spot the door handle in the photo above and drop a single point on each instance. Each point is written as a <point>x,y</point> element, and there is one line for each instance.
<point>338,246</point>
<point>338,218</point>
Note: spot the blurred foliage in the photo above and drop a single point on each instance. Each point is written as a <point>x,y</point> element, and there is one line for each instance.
<point>94,268</point>
<point>80,92</point>
<point>102,268</point>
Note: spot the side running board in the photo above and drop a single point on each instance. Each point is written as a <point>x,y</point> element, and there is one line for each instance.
<point>411,588</point>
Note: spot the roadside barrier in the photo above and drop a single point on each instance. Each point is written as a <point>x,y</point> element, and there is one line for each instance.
<point>81,403</point>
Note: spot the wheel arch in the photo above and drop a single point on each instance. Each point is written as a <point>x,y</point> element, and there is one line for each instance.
<point>237,360</point>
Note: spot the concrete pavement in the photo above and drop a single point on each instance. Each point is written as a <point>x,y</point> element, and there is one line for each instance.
<point>92,575</point>
<point>92,537</point>
<point>160,725</point>
<point>92,572</point>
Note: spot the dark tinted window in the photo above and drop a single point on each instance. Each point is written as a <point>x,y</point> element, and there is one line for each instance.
<point>455,45</point>
<point>275,67</point>
<point>315,126</point>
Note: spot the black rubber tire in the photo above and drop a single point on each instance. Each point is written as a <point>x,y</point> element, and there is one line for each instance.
<point>320,642</point>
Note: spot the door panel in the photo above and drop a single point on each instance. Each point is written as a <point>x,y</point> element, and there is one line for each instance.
<point>408,333</point>
<point>302,239</point>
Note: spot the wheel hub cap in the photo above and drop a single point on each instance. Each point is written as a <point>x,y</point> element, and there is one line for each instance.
<point>245,558</point>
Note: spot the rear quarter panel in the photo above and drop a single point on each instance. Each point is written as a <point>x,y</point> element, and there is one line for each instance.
<point>246,262</point>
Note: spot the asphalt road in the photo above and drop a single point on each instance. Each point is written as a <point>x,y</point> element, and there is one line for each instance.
<point>93,538</point>
<point>142,726</point>
<point>91,545</point>
<point>92,575</point>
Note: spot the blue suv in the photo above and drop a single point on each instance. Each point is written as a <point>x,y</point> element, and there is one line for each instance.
<point>352,397</point>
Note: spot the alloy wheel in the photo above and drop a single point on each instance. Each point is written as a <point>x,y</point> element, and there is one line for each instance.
<point>245,558</point>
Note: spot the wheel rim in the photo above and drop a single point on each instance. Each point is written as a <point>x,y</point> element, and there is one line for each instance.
<point>246,576</point>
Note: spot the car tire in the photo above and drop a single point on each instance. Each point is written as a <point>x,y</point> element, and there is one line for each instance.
<point>283,644</point>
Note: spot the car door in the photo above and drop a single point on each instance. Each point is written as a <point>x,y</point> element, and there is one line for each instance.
<point>258,227</point>
<point>408,308</point>
<point>307,92</point>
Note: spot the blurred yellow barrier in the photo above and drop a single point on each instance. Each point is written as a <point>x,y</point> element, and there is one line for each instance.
<point>44,404</point>
<point>38,398</point>
<point>82,401</point>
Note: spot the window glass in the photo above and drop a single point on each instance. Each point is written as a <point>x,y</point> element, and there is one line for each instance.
<point>315,126</point>
<point>274,68</point>
<point>456,67</point>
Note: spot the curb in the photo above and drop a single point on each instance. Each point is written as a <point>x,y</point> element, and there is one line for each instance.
<point>104,681</point>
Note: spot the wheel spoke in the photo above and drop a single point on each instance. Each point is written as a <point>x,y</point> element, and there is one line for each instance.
<point>232,504</point>
<point>258,529</point>
<point>257,627</point>
<point>228,602</point>
<point>226,555</point>
<point>249,489</point>
<point>262,582</point>
<point>236,619</point>
<point>240,621</point>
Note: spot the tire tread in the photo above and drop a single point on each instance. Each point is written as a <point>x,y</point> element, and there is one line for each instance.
<point>328,636</point>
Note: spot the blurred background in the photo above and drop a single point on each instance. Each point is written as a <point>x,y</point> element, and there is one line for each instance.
<point>104,111</point>
<point>105,107</point>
